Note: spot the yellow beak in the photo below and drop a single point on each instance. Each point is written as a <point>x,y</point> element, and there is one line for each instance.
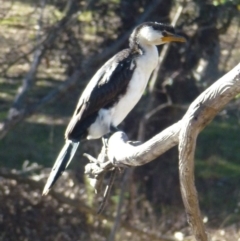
<point>173,38</point>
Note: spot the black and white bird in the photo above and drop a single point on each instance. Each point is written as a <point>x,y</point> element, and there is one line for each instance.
<point>113,91</point>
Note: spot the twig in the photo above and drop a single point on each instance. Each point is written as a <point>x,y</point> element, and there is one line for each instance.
<point>126,176</point>
<point>6,126</point>
<point>17,59</point>
<point>107,191</point>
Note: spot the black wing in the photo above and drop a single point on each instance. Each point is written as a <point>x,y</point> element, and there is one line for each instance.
<point>104,89</point>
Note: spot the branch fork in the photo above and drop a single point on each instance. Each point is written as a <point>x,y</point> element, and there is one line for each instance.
<point>121,153</point>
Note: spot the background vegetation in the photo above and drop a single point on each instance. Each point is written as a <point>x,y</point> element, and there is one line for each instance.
<point>49,49</point>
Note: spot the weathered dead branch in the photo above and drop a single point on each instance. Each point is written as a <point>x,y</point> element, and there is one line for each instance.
<point>184,132</point>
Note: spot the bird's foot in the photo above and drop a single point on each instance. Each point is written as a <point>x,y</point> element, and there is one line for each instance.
<point>106,137</point>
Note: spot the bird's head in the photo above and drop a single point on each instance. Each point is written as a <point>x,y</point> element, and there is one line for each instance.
<point>154,33</point>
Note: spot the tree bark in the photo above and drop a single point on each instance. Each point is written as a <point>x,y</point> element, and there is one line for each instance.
<point>184,133</point>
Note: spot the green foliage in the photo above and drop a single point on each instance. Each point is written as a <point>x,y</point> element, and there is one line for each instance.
<point>222,2</point>
<point>85,16</point>
<point>220,139</point>
<point>32,142</point>
<point>218,165</point>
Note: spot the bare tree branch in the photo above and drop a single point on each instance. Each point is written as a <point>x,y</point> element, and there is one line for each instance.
<point>233,44</point>
<point>6,126</point>
<point>18,111</point>
<point>199,114</point>
<point>184,132</point>
<point>30,76</point>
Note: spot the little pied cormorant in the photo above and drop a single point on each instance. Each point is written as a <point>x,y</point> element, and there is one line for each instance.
<point>113,91</point>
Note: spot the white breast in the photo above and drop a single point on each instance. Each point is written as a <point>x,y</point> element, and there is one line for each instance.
<point>145,64</point>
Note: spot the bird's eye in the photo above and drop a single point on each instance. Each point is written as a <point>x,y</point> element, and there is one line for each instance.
<point>164,33</point>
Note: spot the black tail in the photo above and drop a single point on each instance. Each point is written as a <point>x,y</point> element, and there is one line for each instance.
<point>63,159</point>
